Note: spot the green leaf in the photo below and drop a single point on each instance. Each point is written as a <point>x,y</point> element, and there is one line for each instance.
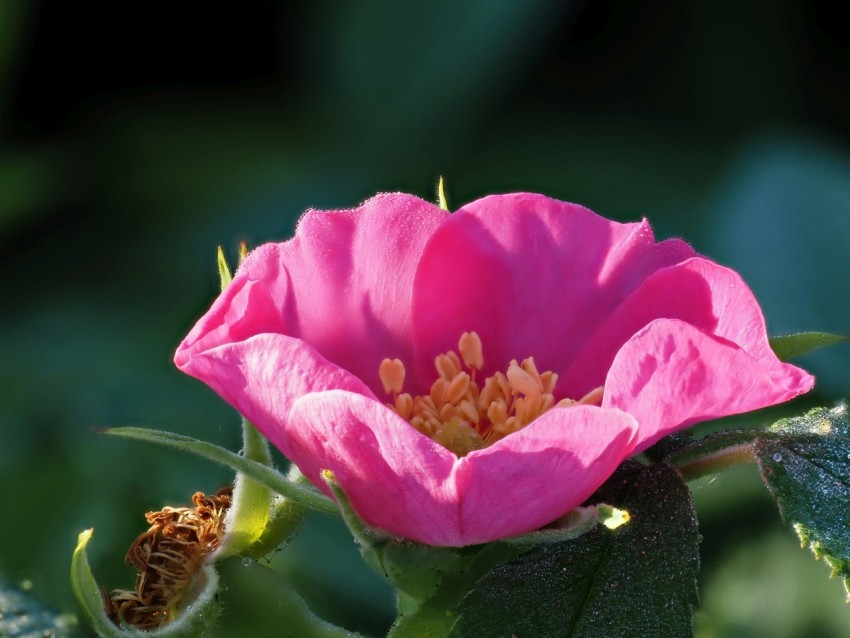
<point>806,467</point>
<point>434,617</point>
<point>795,345</point>
<point>274,480</point>
<point>576,523</point>
<point>23,617</point>
<point>638,580</point>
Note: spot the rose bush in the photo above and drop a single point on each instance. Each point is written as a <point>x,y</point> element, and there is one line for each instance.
<point>315,337</point>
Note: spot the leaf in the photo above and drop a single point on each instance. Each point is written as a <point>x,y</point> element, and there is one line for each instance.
<point>23,617</point>
<point>806,467</point>
<point>638,580</point>
<point>273,479</point>
<point>434,617</point>
<point>795,345</point>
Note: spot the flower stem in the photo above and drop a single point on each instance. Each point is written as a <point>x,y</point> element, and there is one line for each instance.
<point>716,461</point>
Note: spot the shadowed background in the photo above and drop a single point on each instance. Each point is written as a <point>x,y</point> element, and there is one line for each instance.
<point>133,140</point>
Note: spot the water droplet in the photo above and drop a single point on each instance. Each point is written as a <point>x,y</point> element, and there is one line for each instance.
<point>777,457</point>
<point>246,561</point>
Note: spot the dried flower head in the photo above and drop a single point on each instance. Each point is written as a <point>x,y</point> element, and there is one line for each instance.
<point>166,557</point>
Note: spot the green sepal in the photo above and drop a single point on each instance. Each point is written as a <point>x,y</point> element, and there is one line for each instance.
<point>414,569</point>
<point>223,269</point>
<point>574,524</point>
<point>305,495</point>
<point>259,520</point>
<point>787,347</point>
<point>197,617</point>
<point>805,463</point>
<point>441,195</point>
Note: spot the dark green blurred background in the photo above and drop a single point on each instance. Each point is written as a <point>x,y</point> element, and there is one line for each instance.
<point>134,138</point>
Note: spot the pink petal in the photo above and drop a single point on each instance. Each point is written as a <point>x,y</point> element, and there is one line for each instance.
<point>671,374</point>
<point>396,478</point>
<point>343,284</point>
<point>401,481</point>
<point>263,376</point>
<point>538,474</point>
<point>697,291</point>
<point>532,275</point>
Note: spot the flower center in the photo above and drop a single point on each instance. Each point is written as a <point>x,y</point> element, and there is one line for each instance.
<point>462,415</point>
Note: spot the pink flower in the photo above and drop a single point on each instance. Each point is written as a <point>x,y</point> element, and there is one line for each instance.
<point>297,340</point>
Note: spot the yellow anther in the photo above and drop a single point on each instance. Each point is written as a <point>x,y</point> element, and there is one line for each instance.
<point>438,392</point>
<point>521,381</point>
<point>490,393</point>
<point>594,397</point>
<point>469,346</point>
<point>458,388</point>
<point>497,412</point>
<point>448,365</point>
<point>391,372</point>
<point>404,405</point>
<point>504,385</point>
<point>549,381</point>
<point>469,412</point>
<point>464,416</point>
<point>447,412</point>
<point>530,368</point>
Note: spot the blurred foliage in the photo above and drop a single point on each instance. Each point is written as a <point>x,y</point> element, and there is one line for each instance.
<point>130,152</point>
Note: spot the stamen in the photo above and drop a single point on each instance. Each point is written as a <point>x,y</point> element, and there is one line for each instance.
<point>471,350</point>
<point>521,381</point>
<point>462,416</point>
<point>594,397</point>
<point>391,372</point>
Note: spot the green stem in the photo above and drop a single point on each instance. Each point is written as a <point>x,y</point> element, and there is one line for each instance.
<point>716,461</point>
<point>249,515</point>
